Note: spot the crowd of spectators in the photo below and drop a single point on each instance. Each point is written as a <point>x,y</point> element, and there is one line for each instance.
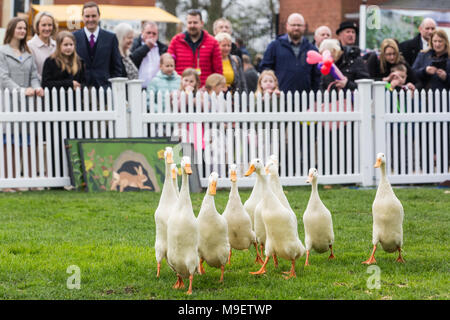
<point>91,56</point>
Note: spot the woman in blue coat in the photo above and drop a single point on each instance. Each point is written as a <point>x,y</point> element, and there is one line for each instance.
<point>432,66</point>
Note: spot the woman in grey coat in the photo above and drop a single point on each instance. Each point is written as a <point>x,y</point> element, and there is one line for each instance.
<point>17,67</point>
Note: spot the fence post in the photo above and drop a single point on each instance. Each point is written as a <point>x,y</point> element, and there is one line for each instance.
<point>119,106</point>
<point>366,138</point>
<point>135,108</point>
<point>379,100</point>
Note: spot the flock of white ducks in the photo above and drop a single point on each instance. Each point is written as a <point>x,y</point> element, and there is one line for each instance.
<point>265,219</point>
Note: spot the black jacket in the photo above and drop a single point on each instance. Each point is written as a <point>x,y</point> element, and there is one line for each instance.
<point>411,48</point>
<point>425,59</point>
<point>351,65</point>
<point>54,77</point>
<point>139,50</point>
<point>373,64</point>
<point>105,62</point>
<point>235,51</point>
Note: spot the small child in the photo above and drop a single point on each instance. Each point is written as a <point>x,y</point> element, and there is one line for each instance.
<point>216,83</point>
<point>396,80</point>
<point>166,79</point>
<point>268,83</point>
<point>190,81</point>
<point>397,77</point>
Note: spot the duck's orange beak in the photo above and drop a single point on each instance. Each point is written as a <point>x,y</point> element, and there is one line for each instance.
<point>174,174</point>
<point>187,169</point>
<point>378,163</point>
<point>233,176</point>
<point>310,178</point>
<point>169,158</point>
<point>250,170</point>
<point>212,188</point>
<point>267,170</point>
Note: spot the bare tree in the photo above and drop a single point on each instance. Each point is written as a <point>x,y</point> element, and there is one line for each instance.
<point>171,7</point>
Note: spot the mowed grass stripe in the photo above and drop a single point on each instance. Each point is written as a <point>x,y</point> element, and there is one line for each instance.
<point>110,237</point>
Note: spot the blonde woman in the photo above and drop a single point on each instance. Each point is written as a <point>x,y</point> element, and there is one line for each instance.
<point>42,45</point>
<point>432,66</point>
<point>232,65</point>
<point>390,55</point>
<point>125,35</point>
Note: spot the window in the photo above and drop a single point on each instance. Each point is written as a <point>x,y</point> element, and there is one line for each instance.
<point>22,6</point>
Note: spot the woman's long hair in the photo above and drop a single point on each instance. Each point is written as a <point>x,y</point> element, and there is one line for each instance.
<point>72,63</point>
<point>122,30</point>
<point>10,30</point>
<point>441,34</point>
<point>389,43</point>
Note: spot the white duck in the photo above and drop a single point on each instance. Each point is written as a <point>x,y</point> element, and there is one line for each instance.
<point>182,233</point>
<point>250,207</point>
<point>213,244</point>
<point>281,229</point>
<point>317,221</point>
<point>165,207</point>
<point>174,170</point>
<point>275,183</point>
<point>387,213</point>
<point>240,231</point>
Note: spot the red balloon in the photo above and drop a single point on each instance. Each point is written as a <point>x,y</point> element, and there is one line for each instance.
<point>325,69</point>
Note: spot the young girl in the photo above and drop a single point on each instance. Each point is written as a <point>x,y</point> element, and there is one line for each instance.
<point>166,79</point>
<point>190,81</point>
<point>268,83</point>
<point>17,68</point>
<point>63,69</point>
<point>216,83</point>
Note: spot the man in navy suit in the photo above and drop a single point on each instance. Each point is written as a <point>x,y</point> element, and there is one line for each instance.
<point>98,48</point>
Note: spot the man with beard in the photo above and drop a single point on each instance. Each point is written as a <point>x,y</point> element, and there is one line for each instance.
<point>286,56</point>
<point>196,48</point>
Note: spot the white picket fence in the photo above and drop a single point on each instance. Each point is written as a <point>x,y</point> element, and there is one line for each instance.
<point>337,133</point>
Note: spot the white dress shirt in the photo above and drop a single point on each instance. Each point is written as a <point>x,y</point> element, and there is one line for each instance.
<point>95,33</point>
<point>424,43</point>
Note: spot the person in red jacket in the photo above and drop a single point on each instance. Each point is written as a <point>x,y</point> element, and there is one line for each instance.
<point>196,48</point>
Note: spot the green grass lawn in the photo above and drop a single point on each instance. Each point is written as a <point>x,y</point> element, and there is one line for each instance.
<point>110,237</point>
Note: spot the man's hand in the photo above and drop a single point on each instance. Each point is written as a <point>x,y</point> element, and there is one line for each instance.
<point>150,43</point>
<point>339,84</point>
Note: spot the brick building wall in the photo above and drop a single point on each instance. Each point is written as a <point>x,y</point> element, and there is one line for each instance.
<point>320,12</point>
